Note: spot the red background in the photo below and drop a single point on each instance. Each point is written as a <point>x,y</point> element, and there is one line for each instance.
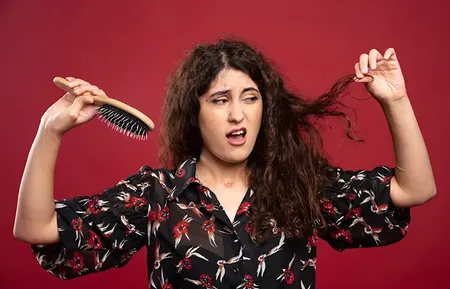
<point>129,49</point>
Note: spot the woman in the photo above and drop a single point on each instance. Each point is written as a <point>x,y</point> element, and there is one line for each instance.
<point>249,193</point>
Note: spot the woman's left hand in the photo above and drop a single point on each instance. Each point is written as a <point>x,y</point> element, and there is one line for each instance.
<point>381,75</point>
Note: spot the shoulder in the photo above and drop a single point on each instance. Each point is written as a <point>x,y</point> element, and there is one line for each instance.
<point>377,178</point>
<point>169,181</point>
<point>155,184</point>
<point>379,173</point>
<point>163,176</point>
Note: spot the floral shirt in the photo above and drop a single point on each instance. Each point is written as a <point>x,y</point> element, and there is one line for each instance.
<point>190,241</point>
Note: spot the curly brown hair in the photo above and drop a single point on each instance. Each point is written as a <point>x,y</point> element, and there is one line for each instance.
<point>287,169</point>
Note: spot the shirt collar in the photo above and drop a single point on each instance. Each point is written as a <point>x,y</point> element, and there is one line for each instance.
<point>184,175</point>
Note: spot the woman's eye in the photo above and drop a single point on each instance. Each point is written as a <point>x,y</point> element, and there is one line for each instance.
<point>219,101</point>
<point>251,99</point>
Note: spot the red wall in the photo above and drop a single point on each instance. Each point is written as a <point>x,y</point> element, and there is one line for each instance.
<point>129,50</point>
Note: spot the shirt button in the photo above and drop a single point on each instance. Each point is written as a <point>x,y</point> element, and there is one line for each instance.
<point>236,270</point>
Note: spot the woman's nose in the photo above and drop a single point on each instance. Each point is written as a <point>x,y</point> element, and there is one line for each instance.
<point>236,113</point>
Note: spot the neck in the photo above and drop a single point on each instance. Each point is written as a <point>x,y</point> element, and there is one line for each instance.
<point>211,169</point>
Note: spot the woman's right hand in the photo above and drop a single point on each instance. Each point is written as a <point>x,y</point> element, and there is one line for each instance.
<point>71,110</point>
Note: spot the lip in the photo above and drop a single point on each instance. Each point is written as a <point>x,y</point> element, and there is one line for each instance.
<point>236,129</point>
<point>237,142</point>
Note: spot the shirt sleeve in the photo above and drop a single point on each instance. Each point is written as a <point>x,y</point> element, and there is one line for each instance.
<point>101,231</point>
<point>359,212</point>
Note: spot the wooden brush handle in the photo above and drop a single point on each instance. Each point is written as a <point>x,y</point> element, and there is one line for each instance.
<point>101,100</point>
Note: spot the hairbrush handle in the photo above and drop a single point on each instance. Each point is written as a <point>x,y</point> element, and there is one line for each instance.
<point>101,100</point>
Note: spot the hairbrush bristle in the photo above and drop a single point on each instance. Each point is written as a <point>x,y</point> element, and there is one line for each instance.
<point>123,122</point>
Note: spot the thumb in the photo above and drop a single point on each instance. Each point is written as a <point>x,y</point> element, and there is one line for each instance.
<point>367,79</point>
<point>78,104</point>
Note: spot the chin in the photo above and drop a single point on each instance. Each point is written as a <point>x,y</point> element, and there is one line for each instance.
<point>235,157</point>
<point>227,153</point>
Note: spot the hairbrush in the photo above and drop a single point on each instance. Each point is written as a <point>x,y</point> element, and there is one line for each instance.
<point>116,114</point>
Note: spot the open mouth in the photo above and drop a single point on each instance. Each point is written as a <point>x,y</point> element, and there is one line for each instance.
<point>237,136</point>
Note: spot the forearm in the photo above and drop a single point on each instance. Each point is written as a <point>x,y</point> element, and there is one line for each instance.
<point>35,214</point>
<point>413,173</point>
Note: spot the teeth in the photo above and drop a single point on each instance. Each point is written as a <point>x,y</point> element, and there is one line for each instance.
<point>239,132</point>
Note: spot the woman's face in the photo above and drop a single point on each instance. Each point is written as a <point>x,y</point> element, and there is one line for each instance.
<point>230,116</point>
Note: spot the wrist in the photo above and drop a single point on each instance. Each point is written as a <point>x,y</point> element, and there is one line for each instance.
<point>399,102</point>
<point>48,135</point>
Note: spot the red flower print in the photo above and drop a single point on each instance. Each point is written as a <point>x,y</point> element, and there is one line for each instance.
<point>94,241</point>
<point>248,281</point>
<point>163,214</point>
<point>94,206</point>
<point>289,276</point>
<point>351,196</point>
<point>209,226</point>
<point>341,233</point>
<point>244,208</point>
<point>309,263</point>
<point>329,208</point>
<point>180,173</point>
<point>186,263</point>
<point>77,224</point>
<point>206,281</point>
<point>312,240</point>
<point>353,213</point>
<point>190,180</point>
<point>378,209</point>
<point>76,262</point>
<point>181,229</point>
<point>152,216</point>
<point>209,207</point>
<point>385,179</point>
<point>135,202</point>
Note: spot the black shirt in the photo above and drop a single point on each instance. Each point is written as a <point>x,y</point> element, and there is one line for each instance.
<point>191,243</point>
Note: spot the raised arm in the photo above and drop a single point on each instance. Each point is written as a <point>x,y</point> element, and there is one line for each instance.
<point>413,183</point>
<point>84,234</point>
<point>35,221</point>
